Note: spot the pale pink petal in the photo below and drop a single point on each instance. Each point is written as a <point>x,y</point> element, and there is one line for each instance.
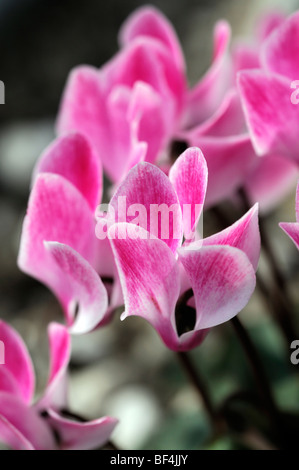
<point>12,437</point>
<point>245,56</point>
<point>8,382</point>
<point>17,372</point>
<point>99,105</point>
<point>144,192</point>
<point>149,21</point>
<point>229,159</point>
<point>297,203</point>
<point>222,279</point>
<point>189,177</point>
<point>146,60</point>
<point>123,148</point>
<point>83,109</point>
<point>271,116</point>
<point>82,291</point>
<point>90,110</point>
<point>81,436</point>
<point>60,351</point>
<point>292,230</point>
<point>21,426</point>
<point>227,120</point>
<point>72,157</point>
<point>147,113</point>
<point>150,279</point>
<point>268,23</point>
<point>243,234</point>
<point>281,49</point>
<point>272,179</point>
<point>206,96</point>
<point>56,212</point>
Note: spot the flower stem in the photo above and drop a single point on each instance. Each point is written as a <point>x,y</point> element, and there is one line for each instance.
<point>199,385</point>
<point>259,375</point>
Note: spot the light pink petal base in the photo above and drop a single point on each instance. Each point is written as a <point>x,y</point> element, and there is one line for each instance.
<point>21,427</point>
<point>222,279</point>
<point>17,374</point>
<point>81,436</point>
<point>81,289</point>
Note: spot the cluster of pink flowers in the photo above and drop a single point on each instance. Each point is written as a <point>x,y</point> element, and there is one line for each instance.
<point>128,119</point>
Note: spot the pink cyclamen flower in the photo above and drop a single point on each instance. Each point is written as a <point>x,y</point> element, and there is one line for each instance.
<point>271,114</point>
<point>45,424</point>
<point>292,229</point>
<point>182,290</point>
<point>58,244</point>
<point>138,105</point>
<point>225,141</point>
<point>213,118</point>
<point>130,107</point>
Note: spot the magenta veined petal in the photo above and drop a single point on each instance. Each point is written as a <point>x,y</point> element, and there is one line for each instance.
<point>80,289</point>
<point>243,234</point>
<point>56,212</point>
<point>269,23</point>
<point>281,49</point>
<point>147,191</point>
<point>271,179</point>
<point>55,395</point>
<point>222,279</point>
<point>72,157</point>
<point>292,228</point>
<point>149,21</point>
<point>81,436</point>
<point>204,99</point>
<point>229,160</point>
<point>149,275</point>
<point>17,374</point>
<point>271,130</point>
<point>228,120</point>
<point>12,437</point>
<point>189,177</point>
<point>22,427</point>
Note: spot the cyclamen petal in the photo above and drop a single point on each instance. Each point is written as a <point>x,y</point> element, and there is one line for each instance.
<point>281,49</point>
<point>12,437</point>
<point>222,279</point>
<point>21,427</point>
<point>292,229</point>
<point>149,275</point>
<point>271,117</point>
<point>229,159</point>
<point>189,177</point>
<point>270,181</point>
<point>149,21</point>
<point>243,234</point>
<point>72,157</point>
<point>145,191</point>
<point>55,395</point>
<point>17,374</point>
<point>206,96</point>
<point>146,113</point>
<point>56,212</point>
<point>81,289</point>
<point>84,436</point>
